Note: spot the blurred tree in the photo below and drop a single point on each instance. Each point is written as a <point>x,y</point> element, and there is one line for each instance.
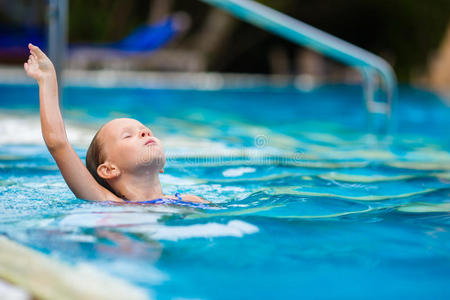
<point>158,10</point>
<point>105,20</point>
<point>438,75</point>
<point>405,32</point>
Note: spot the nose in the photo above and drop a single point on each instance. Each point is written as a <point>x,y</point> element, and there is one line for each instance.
<point>144,132</point>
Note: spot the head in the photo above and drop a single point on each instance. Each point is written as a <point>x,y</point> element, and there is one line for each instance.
<point>123,146</point>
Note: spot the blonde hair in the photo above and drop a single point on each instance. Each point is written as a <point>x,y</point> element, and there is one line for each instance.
<point>95,156</point>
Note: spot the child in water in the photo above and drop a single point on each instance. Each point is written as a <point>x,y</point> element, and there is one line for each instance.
<point>123,161</point>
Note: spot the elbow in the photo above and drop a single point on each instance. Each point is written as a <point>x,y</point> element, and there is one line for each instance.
<point>54,144</point>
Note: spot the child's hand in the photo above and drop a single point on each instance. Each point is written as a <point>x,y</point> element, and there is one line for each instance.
<point>38,65</point>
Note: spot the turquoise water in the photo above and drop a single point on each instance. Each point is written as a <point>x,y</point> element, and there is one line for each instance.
<point>306,205</point>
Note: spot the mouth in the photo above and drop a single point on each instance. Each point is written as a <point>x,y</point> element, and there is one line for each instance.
<point>150,142</point>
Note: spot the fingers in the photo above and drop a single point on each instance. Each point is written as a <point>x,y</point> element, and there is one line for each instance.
<point>32,59</point>
<point>33,55</point>
<point>35,51</point>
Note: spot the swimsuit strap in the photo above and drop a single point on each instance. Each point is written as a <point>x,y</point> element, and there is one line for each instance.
<point>179,201</point>
<point>154,201</point>
<point>159,200</point>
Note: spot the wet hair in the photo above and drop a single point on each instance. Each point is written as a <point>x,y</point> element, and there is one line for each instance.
<point>95,156</point>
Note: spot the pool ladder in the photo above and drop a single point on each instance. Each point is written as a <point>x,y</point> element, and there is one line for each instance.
<point>379,81</point>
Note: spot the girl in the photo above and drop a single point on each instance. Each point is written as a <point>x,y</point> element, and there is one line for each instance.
<point>123,161</point>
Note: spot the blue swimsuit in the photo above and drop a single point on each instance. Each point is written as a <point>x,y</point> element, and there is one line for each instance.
<point>178,201</point>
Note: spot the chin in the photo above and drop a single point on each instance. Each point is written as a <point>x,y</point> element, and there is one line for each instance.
<point>153,157</point>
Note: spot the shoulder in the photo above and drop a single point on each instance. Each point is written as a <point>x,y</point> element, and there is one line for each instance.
<point>193,198</point>
<point>108,196</point>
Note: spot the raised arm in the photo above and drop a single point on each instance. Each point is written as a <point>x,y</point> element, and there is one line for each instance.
<point>75,173</point>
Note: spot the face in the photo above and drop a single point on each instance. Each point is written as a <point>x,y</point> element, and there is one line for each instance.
<point>131,146</point>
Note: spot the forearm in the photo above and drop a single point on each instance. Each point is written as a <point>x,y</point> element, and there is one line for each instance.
<point>52,124</point>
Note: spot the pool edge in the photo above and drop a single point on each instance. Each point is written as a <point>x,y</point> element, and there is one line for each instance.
<point>45,277</point>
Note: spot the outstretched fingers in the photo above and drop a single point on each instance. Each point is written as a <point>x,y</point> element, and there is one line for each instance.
<point>33,55</point>
<point>32,59</point>
<point>35,51</point>
<point>29,61</point>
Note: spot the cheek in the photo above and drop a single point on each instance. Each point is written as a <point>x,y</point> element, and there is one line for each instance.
<point>124,153</point>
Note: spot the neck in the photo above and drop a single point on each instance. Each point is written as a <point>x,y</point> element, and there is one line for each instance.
<point>139,188</point>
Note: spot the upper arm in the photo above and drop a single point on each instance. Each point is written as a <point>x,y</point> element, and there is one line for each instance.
<point>78,177</point>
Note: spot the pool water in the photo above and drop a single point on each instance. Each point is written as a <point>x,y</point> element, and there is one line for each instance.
<point>305,203</point>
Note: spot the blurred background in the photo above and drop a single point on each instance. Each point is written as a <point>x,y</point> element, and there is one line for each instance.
<point>274,134</point>
<point>191,36</point>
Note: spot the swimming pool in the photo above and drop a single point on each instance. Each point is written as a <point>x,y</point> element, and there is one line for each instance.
<point>306,205</point>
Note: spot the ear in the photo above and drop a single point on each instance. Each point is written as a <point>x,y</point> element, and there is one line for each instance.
<point>108,171</point>
<point>161,171</point>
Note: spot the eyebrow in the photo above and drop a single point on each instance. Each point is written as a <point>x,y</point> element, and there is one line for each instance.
<point>131,128</point>
<point>128,128</point>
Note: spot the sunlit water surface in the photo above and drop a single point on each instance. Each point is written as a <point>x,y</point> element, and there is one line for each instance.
<point>305,204</point>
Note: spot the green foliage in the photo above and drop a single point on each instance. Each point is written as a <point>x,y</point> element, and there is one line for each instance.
<point>405,32</point>
<point>105,20</point>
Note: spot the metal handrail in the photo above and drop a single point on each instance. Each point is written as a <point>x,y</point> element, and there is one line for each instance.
<point>303,34</point>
